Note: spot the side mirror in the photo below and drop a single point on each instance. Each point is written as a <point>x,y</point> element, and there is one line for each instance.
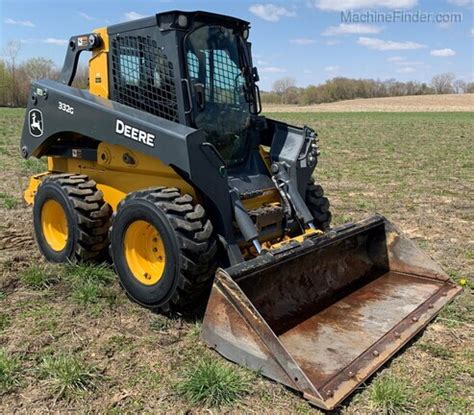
<point>200,93</point>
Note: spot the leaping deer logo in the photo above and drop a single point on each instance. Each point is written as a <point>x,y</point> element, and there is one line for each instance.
<point>36,123</point>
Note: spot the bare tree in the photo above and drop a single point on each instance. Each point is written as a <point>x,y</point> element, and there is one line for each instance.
<point>11,52</point>
<point>40,68</point>
<point>282,87</point>
<point>459,86</point>
<point>5,84</point>
<point>443,83</point>
<point>81,80</point>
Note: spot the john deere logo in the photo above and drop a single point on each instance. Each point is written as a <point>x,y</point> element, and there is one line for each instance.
<point>36,123</point>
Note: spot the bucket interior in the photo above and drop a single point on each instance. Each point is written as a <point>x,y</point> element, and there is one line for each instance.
<point>331,305</point>
<point>293,290</point>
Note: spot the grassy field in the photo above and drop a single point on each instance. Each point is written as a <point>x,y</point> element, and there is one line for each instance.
<point>413,103</point>
<point>71,341</point>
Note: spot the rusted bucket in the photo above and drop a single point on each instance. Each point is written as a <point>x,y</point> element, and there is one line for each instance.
<point>322,316</point>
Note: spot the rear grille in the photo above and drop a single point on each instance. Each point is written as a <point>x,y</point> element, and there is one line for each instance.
<point>143,77</point>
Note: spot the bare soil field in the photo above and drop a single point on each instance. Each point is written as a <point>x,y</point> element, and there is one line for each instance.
<point>71,341</point>
<point>426,103</point>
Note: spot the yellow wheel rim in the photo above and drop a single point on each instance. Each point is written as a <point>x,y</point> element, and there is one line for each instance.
<point>54,225</point>
<point>144,252</point>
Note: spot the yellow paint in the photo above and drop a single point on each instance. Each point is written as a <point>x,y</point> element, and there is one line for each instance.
<point>98,67</point>
<point>298,238</point>
<point>54,225</point>
<point>30,192</point>
<point>268,197</point>
<point>112,195</point>
<point>116,178</point>
<point>144,252</point>
<point>265,154</point>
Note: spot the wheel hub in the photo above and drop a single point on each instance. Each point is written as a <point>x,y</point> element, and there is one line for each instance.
<point>54,225</point>
<point>144,252</point>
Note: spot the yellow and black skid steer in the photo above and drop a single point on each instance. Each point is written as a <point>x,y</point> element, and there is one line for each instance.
<point>166,166</point>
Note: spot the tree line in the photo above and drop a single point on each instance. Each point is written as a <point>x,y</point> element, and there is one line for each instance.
<point>15,78</point>
<point>285,91</point>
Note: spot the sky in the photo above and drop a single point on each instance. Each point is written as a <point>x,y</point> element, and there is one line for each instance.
<point>308,40</point>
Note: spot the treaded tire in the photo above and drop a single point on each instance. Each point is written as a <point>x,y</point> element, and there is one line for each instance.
<point>319,206</point>
<point>87,214</point>
<point>189,244</point>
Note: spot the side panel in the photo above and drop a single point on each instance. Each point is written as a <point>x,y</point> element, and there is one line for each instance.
<point>98,69</point>
<point>60,109</point>
<point>48,121</point>
<point>119,171</point>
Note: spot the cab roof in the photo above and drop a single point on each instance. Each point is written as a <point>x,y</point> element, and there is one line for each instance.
<point>168,21</point>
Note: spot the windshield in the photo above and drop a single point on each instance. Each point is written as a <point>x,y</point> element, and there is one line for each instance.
<point>215,68</point>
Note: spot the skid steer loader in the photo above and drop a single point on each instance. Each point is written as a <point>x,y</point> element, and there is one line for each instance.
<point>166,163</point>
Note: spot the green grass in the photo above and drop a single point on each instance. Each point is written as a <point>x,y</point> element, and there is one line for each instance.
<point>7,201</point>
<point>416,169</point>
<point>389,395</point>
<point>9,372</point>
<point>150,376</point>
<point>459,313</point>
<point>90,283</point>
<point>196,329</point>
<point>436,350</point>
<point>43,317</point>
<point>213,383</point>
<point>67,374</point>
<point>119,343</point>
<point>446,391</point>
<point>33,166</point>
<point>161,323</point>
<point>4,321</point>
<point>39,277</point>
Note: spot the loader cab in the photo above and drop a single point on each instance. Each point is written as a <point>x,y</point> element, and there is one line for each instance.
<point>193,68</point>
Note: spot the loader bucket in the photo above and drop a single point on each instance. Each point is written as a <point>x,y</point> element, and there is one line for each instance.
<point>323,315</point>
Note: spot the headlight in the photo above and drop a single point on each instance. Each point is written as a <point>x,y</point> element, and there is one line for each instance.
<point>182,20</point>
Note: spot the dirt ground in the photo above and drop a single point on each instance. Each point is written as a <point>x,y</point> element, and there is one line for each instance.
<point>426,103</point>
<point>417,169</point>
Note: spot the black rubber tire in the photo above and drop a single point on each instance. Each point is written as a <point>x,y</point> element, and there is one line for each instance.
<point>88,217</point>
<point>319,206</point>
<point>189,244</point>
